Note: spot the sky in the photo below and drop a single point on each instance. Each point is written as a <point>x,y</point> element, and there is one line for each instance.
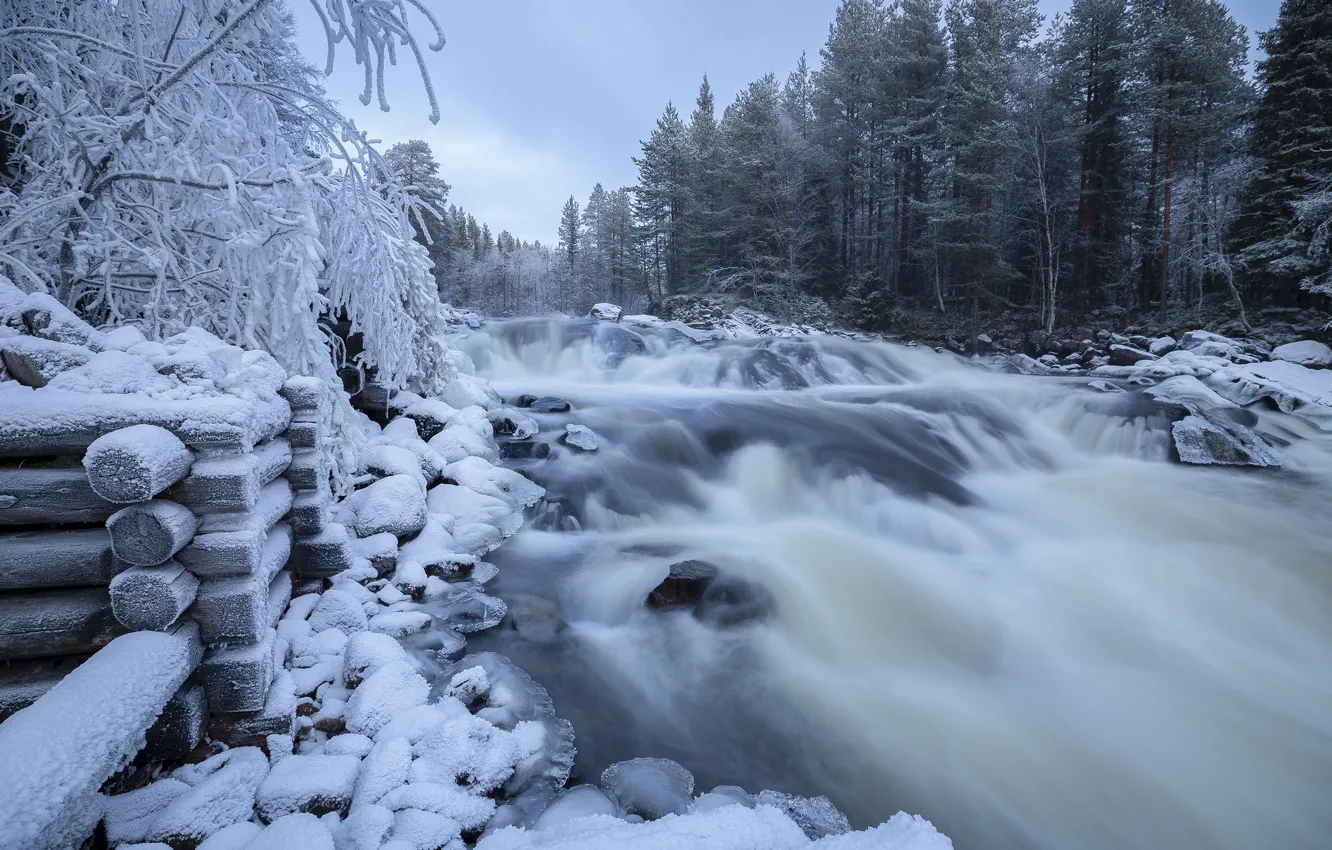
<point>542,99</point>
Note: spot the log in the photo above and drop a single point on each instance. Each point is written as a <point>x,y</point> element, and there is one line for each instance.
<point>236,610</point>
<point>179,728</point>
<point>231,483</point>
<point>149,533</point>
<point>274,502</point>
<point>303,435</point>
<point>152,598</point>
<point>56,753</point>
<point>309,512</point>
<point>251,729</point>
<point>34,496</point>
<point>238,678</point>
<point>68,422</point>
<point>136,463</point>
<point>303,393</point>
<point>23,682</point>
<point>33,361</point>
<point>280,591</point>
<point>229,553</point>
<point>322,555</point>
<point>31,560</point>
<point>47,623</point>
<point>307,471</point>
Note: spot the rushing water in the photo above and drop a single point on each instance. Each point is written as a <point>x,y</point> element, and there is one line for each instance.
<point>995,601</point>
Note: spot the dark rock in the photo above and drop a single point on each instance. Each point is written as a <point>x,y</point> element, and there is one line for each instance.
<point>1127,355</point>
<point>1203,442</point>
<point>523,450</point>
<point>548,404</point>
<point>686,585</point>
<point>1138,341</point>
<point>524,400</point>
<point>731,601</point>
<point>618,342</point>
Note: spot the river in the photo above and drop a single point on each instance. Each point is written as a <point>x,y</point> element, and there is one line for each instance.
<point>994,600</point>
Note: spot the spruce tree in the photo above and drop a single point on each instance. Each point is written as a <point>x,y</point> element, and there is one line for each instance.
<point>1277,234</point>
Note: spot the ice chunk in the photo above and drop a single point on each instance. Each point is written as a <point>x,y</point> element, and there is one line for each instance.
<point>581,437</point>
<point>469,810</point>
<point>1306,352</point>
<point>723,795</point>
<point>391,689</point>
<point>467,506</point>
<point>1217,442</point>
<point>385,768</point>
<point>395,504</point>
<point>469,611</point>
<point>317,784</point>
<point>816,816</point>
<point>581,801</point>
<point>649,787</point>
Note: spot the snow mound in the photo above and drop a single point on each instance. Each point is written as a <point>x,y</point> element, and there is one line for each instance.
<point>1294,389</point>
<point>1306,352</point>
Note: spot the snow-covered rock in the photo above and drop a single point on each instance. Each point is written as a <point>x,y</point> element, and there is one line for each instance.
<point>222,794</point>
<point>476,474</point>
<point>395,505</point>
<point>581,437</point>
<point>1217,442</point>
<point>1162,346</point>
<point>388,691</point>
<point>293,832</point>
<point>385,768</point>
<point>581,801</point>
<point>316,784</point>
<point>1306,352</point>
<point>1294,389</point>
<point>338,609</point>
<point>605,312</point>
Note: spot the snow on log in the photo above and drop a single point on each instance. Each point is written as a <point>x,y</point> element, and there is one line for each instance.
<point>238,610</point>
<point>47,623</point>
<point>152,598</point>
<point>279,597</point>
<point>238,678</point>
<point>55,421</point>
<point>308,470</point>
<point>232,483</point>
<point>136,463</point>
<point>34,496</point>
<point>33,361</point>
<point>23,682</point>
<point>180,727</point>
<point>47,318</point>
<point>233,553</point>
<point>324,554</point>
<point>31,560</point>
<point>151,532</point>
<point>56,753</point>
<point>309,511</point>
<point>303,435</point>
<point>252,728</point>
<point>274,502</point>
<point>303,393</point>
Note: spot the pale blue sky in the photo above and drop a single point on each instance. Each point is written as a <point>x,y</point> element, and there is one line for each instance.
<point>541,99</point>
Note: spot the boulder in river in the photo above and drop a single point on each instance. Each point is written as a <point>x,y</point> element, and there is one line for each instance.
<point>548,404</point>
<point>1127,355</point>
<point>1306,352</point>
<point>1218,443</point>
<point>684,586</point>
<point>580,437</point>
<point>605,312</point>
<point>523,450</point>
<point>730,601</point>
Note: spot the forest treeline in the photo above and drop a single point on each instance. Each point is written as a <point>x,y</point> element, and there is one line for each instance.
<point>961,158</point>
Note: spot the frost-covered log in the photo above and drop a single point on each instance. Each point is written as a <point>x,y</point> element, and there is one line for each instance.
<point>23,682</point>
<point>236,553</point>
<point>180,727</point>
<point>56,753</point>
<point>152,598</point>
<point>274,502</point>
<point>33,361</point>
<point>252,728</point>
<point>33,496</point>
<point>303,393</point>
<point>151,532</point>
<point>308,470</point>
<point>309,511</point>
<point>136,463</point>
<point>240,609</point>
<point>324,554</point>
<point>31,560</point>
<point>234,482</point>
<point>47,623</point>
<point>237,678</point>
<point>51,421</point>
<point>303,435</point>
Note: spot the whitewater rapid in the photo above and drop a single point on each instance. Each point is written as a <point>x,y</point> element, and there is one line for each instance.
<point>996,602</point>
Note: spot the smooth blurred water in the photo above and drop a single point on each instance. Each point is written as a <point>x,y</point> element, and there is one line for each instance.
<point>997,603</point>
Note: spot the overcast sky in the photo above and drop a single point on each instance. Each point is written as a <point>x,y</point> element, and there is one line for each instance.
<point>541,99</point>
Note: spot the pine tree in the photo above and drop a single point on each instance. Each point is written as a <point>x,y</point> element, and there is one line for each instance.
<point>1278,234</point>
<point>660,201</point>
<point>700,226</point>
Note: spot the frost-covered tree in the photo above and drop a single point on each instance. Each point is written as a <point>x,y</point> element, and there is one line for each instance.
<point>173,170</point>
<point>660,201</point>
<point>1282,232</point>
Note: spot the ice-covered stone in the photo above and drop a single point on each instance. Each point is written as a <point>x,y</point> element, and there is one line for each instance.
<point>721,796</point>
<point>395,505</point>
<point>1216,442</point>
<point>476,474</point>
<point>391,689</point>
<point>222,795</point>
<point>317,784</point>
<point>581,801</point>
<point>581,437</point>
<point>1294,389</point>
<point>649,787</point>
<point>385,768</point>
<point>1306,352</point>
<point>338,609</point>
<point>466,505</point>
<point>817,817</point>
<point>605,312</point>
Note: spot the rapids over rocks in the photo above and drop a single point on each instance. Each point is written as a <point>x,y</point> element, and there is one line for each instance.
<point>989,599</point>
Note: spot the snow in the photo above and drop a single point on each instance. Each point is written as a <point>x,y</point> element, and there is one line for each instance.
<point>293,832</point>
<point>349,744</point>
<point>395,505</point>
<point>114,372</point>
<point>338,609</point>
<point>605,312</point>
<point>1306,352</point>
<point>55,753</point>
<point>366,653</point>
<point>364,829</point>
<point>135,463</point>
<point>578,802</point>
<point>469,811</point>
<point>455,501</point>
<point>385,768</point>
<point>316,784</point>
<point>400,623</point>
<point>1295,389</point>
<point>129,816</point>
<point>422,830</point>
<point>458,441</point>
<point>581,437</point>
<point>476,474</point>
<point>222,794</point>
<point>233,837</point>
<point>391,689</point>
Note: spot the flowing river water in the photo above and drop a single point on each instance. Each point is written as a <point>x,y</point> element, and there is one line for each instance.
<point>994,600</point>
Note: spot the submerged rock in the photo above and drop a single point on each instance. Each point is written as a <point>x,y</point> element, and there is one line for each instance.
<point>580,437</point>
<point>547,404</point>
<point>524,450</point>
<point>730,601</point>
<point>684,585</point>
